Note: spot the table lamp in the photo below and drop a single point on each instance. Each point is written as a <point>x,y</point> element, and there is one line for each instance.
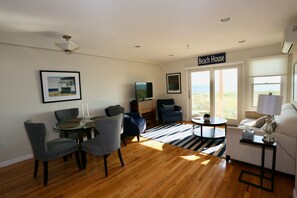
<point>270,105</point>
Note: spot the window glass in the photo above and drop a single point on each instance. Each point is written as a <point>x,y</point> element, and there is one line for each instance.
<point>266,85</point>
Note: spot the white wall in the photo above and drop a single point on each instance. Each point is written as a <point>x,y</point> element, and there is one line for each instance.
<point>232,56</point>
<point>104,82</point>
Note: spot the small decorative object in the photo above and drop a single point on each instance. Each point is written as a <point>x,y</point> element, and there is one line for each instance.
<point>206,117</point>
<point>248,134</point>
<point>86,118</point>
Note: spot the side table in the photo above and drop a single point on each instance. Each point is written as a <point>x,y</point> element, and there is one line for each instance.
<point>257,141</point>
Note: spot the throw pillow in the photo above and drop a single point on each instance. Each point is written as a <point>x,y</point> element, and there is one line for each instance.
<point>260,122</point>
<point>274,125</point>
<point>168,107</point>
<point>126,116</point>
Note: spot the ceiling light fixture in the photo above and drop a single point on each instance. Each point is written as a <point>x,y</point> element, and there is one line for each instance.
<point>67,46</point>
<point>226,19</point>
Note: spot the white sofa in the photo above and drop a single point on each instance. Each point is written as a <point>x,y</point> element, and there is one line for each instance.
<point>285,134</point>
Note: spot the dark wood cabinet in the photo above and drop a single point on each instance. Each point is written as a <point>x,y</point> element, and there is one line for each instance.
<point>147,110</point>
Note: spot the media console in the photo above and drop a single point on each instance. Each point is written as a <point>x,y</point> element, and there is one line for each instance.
<point>147,110</point>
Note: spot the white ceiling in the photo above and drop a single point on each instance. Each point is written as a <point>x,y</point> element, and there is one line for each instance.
<point>111,28</point>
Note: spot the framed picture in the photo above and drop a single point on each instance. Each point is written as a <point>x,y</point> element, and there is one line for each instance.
<point>173,83</point>
<point>59,86</point>
<point>295,83</point>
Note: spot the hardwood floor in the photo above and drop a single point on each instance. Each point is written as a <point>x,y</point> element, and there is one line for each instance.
<point>152,169</point>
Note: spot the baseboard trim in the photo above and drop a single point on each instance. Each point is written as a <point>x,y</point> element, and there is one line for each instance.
<point>294,195</point>
<point>15,160</point>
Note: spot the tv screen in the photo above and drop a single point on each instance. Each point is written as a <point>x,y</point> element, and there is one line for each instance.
<point>143,90</point>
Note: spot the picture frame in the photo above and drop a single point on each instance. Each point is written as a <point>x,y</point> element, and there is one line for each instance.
<point>173,81</point>
<point>60,86</point>
<point>295,83</point>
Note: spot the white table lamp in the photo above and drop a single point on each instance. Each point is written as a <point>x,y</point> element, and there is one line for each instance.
<point>270,105</point>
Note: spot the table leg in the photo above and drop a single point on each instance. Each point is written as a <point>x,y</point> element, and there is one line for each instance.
<point>273,169</point>
<point>262,166</point>
<point>80,139</point>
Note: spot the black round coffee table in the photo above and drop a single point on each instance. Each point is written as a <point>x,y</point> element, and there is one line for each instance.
<point>208,129</point>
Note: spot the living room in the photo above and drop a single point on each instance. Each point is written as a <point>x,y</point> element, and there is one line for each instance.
<point>105,80</point>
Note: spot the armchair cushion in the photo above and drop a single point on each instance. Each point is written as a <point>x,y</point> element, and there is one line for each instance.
<point>168,107</point>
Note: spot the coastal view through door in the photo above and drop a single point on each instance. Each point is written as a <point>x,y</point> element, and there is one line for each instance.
<point>215,91</point>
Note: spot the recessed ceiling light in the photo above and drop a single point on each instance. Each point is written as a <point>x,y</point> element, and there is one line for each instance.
<point>226,19</point>
<point>241,41</point>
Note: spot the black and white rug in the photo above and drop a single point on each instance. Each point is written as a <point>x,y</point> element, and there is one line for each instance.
<point>181,135</point>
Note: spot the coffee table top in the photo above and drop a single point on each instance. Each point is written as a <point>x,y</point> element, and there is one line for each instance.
<point>214,121</point>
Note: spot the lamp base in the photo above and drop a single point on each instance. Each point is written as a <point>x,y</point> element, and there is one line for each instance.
<point>268,138</point>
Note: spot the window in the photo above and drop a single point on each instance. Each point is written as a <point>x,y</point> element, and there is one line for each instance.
<point>267,75</point>
<point>265,85</point>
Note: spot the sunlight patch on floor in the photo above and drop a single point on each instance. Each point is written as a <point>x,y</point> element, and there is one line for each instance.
<point>134,139</point>
<point>153,144</point>
<point>205,162</point>
<point>190,157</point>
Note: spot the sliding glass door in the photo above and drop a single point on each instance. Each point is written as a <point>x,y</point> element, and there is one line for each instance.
<point>225,97</point>
<point>215,91</point>
<point>200,82</point>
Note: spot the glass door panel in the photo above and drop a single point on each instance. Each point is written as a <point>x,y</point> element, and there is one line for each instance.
<point>225,81</point>
<point>200,86</point>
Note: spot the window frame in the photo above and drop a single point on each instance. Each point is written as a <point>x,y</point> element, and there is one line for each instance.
<point>283,85</point>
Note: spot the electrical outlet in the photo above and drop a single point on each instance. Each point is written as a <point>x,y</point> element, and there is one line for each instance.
<point>3,145</point>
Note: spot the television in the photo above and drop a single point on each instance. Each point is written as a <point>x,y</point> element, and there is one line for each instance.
<point>143,90</point>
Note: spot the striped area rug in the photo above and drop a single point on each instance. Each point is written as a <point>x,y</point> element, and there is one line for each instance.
<point>181,135</point>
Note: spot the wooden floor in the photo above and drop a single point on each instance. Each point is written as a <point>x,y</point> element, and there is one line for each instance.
<point>151,169</point>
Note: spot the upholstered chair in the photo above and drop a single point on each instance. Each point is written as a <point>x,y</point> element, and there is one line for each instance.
<point>68,114</point>
<point>113,111</point>
<point>45,151</point>
<point>168,111</point>
<point>107,142</point>
<point>134,124</point>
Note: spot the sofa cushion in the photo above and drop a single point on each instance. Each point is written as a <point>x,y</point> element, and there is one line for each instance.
<point>260,122</point>
<point>287,121</point>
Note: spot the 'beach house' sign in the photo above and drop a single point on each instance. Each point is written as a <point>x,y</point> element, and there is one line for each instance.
<point>212,59</point>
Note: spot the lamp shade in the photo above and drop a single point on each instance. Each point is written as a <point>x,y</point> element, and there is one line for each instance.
<point>269,104</point>
<point>67,46</point>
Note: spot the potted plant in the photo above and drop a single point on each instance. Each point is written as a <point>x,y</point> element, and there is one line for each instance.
<point>206,117</point>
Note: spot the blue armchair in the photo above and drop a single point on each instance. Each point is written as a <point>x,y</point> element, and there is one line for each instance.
<point>134,124</point>
<point>168,111</point>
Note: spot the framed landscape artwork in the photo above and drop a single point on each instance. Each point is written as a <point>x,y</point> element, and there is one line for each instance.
<point>173,83</point>
<point>58,86</point>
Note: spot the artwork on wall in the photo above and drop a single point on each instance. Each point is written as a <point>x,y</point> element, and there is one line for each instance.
<point>295,83</point>
<point>58,86</point>
<point>173,83</point>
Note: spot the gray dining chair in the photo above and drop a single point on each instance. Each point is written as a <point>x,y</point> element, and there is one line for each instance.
<point>45,151</point>
<point>113,111</point>
<point>108,140</point>
<point>65,115</point>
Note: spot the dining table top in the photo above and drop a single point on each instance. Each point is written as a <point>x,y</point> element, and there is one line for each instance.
<point>77,123</point>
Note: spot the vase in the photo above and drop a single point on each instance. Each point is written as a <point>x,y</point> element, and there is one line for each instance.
<point>206,119</point>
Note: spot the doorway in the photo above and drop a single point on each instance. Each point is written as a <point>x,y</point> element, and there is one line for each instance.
<point>214,90</point>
